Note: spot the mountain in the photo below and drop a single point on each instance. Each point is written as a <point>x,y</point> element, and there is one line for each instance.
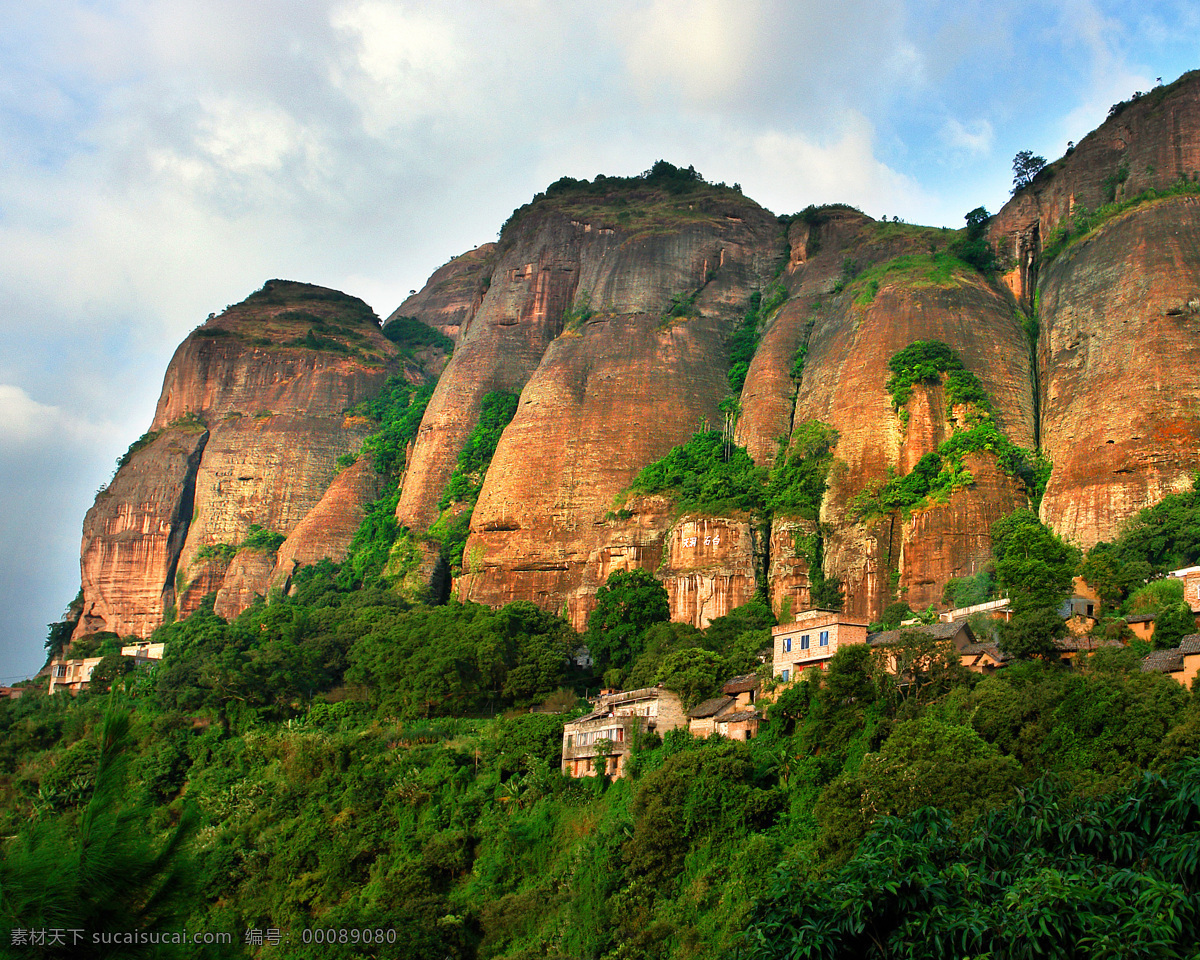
<point>628,314</point>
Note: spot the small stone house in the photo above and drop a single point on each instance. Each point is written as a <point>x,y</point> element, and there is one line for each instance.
<point>982,657</point>
<point>1181,662</point>
<point>811,640</point>
<point>1142,626</point>
<point>958,633</point>
<point>609,730</point>
<point>733,714</point>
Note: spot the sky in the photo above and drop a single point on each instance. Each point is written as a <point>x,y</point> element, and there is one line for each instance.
<point>160,159</point>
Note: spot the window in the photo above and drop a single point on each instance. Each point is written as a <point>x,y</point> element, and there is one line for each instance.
<point>824,638</point>
<point>787,644</point>
<point>804,642</point>
<point>784,676</point>
<point>570,740</point>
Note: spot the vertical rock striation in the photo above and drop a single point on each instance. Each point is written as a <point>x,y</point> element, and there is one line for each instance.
<point>248,430</point>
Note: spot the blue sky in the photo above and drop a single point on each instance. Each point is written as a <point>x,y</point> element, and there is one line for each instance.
<point>159,160</point>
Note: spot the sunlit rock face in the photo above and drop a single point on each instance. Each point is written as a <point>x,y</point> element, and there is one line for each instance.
<point>248,430</point>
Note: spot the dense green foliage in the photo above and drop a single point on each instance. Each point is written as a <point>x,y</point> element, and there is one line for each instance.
<point>706,474</point>
<point>462,489</point>
<point>410,335</point>
<point>398,407</point>
<point>973,247</point>
<point>1048,875</point>
<point>1158,539</point>
<point>342,759</point>
<point>496,412</point>
<point>627,605</point>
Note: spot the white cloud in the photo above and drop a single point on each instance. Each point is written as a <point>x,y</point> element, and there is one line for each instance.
<point>400,66</point>
<point>701,49</point>
<point>973,138</point>
<point>844,169</point>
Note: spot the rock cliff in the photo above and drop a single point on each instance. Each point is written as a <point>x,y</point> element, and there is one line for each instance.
<point>247,432</point>
<point>627,313</point>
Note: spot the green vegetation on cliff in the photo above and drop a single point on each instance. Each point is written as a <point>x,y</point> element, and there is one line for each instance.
<point>939,473</point>
<point>457,502</point>
<point>1083,222</point>
<point>661,198</point>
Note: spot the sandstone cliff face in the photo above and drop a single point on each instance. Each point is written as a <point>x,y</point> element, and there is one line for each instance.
<point>329,527</point>
<point>133,533</point>
<point>1120,368</point>
<point>608,390</point>
<point>452,294</point>
<point>609,308</point>
<point>1150,142</point>
<point>954,539</point>
<point>713,565</point>
<point>850,336</point>
<point>251,423</point>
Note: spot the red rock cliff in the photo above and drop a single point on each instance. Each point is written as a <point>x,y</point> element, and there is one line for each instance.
<point>247,431</point>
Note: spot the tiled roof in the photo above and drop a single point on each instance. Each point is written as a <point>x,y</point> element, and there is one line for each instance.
<point>710,708</point>
<point>939,631</point>
<point>982,647</point>
<point>740,715</point>
<point>1163,661</point>
<point>1084,643</point>
<point>1140,618</point>
<point>1190,644</point>
<point>741,684</point>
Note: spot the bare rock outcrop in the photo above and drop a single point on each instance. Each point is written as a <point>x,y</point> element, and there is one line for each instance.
<point>247,432</point>
<point>1120,368</point>
<point>614,330</point>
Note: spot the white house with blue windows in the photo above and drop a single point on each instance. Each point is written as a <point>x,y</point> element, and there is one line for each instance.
<point>811,639</point>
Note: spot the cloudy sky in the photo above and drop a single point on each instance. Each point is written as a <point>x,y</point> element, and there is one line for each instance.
<point>160,159</point>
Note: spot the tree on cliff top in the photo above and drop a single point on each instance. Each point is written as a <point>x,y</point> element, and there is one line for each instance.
<point>1026,166</point>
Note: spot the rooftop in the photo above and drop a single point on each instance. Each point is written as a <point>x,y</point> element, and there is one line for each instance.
<point>1163,661</point>
<point>939,631</point>
<point>710,708</point>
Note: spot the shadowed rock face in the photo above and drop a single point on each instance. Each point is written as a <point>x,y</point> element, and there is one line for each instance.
<point>250,425</point>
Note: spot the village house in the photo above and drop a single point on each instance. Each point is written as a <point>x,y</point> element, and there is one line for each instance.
<point>983,657</point>
<point>608,731</point>
<point>733,714</point>
<point>811,640</point>
<point>959,634</point>
<point>1142,626</point>
<point>73,675</point>
<point>1191,585</point>
<point>1182,663</point>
